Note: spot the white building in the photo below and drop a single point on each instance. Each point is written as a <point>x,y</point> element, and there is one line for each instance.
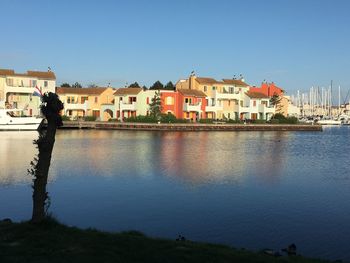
<point>16,89</point>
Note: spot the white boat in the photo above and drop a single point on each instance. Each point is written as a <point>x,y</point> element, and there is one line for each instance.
<point>11,120</point>
<point>330,122</point>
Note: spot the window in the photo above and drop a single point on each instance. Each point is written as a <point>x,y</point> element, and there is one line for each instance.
<point>169,101</point>
<point>232,90</point>
<point>213,88</point>
<point>96,99</point>
<point>68,99</point>
<point>205,88</point>
<point>229,103</point>
<point>45,83</point>
<point>147,101</point>
<point>34,83</point>
<point>9,82</point>
<point>83,99</point>
<point>186,100</point>
<point>254,103</point>
<point>70,113</point>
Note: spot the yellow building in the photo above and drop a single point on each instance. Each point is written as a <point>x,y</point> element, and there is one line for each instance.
<point>81,102</point>
<point>225,99</point>
<point>16,89</point>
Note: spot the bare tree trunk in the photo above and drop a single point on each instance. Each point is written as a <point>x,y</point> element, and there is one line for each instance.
<point>46,143</point>
<point>51,107</point>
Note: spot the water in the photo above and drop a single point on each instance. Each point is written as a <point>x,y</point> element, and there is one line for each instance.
<point>246,189</point>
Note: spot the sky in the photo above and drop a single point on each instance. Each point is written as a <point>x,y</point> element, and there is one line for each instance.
<point>294,43</point>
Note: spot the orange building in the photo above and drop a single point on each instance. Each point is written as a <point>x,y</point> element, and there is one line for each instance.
<point>268,89</point>
<point>184,103</point>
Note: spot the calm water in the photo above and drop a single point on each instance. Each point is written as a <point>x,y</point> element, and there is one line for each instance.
<point>246,189</point>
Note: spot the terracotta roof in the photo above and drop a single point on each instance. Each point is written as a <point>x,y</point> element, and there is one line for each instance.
<point>36,74</point>
<point>41,74</point>
<point>81,91</point>
<point>236,82</point>
<point>192,92</point>
<point>256,95</point>
<point>128,91</point>
<point>7,72</point>
<point>207,81</point>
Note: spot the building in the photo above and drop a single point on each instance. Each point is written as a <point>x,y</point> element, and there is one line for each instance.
<point>126,102</point>
<point>186,104</point>
<point>228,99</point>
<point>81,102</point>
<point>16,89</point>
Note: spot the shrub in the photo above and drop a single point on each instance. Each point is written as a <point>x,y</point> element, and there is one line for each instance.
<point>206,120</point>
<point>168,118</point>
<point>234,121</point>
<point>65,118</point>
<point>89,118</point>
<point>141,118</point>
<point>259,121</point>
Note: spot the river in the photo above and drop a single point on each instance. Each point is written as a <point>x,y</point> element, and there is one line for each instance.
<point>246,189</point>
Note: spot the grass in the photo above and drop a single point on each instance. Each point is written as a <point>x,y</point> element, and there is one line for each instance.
<point>53,242</point>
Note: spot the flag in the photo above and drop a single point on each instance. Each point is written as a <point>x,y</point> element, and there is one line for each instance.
<point>37,92</point>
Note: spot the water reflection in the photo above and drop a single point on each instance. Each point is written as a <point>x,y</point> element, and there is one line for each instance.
<point>16,151</point>
<point>247,189</point>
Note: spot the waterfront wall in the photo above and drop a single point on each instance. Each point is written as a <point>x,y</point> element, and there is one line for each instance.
<point>187,127</point>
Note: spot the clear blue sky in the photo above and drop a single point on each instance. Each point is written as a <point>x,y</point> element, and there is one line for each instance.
<point>295,43</point>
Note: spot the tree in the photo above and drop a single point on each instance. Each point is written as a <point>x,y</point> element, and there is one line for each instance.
<point>144,87</point>
<point>77,85</point>
<point>50,108</point>
<point>92,85</point>
<point>65,85</point>
<point>169,86</point>
<point>275,100</point>
<point>134,85</point>
<point>157,85</point>
<point>155,106</point>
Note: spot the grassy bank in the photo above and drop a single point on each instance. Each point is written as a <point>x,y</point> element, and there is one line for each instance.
<point>54,242</point>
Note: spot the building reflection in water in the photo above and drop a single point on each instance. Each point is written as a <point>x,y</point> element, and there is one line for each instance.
<point>17,151</point>
<point>195,157</point>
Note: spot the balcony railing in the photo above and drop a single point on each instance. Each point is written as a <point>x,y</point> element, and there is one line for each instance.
<point>266,109</point>
<point>192,107</point>
<point>227,95</point>
<point>128,106</point>
<point>213,108</point>
<point>76,106</point>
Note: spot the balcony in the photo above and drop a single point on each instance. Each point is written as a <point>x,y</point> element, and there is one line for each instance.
<point>213,108</point>
<point>241,109</point>
<point>76,106</point>
<point>192,107</point>
<point>227,96</point>
<point>19,89</point>
<point>266,109</point>
<point>128,106</point>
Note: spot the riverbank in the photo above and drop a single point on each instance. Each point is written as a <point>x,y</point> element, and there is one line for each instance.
<point>188,126</point>
<point>54,242</point>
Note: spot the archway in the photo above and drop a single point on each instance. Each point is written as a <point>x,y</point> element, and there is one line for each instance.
<point>107,114</point>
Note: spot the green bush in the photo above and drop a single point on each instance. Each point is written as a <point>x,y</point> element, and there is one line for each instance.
<point>65,118</point>
<point>89,118</point>
<point>168,118</point>
<point>206,120</point>
<point>259,121</point>
<point>234,121</point>
<point>113,119</point>
<point>280,118</point>
<point>141,118</point>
